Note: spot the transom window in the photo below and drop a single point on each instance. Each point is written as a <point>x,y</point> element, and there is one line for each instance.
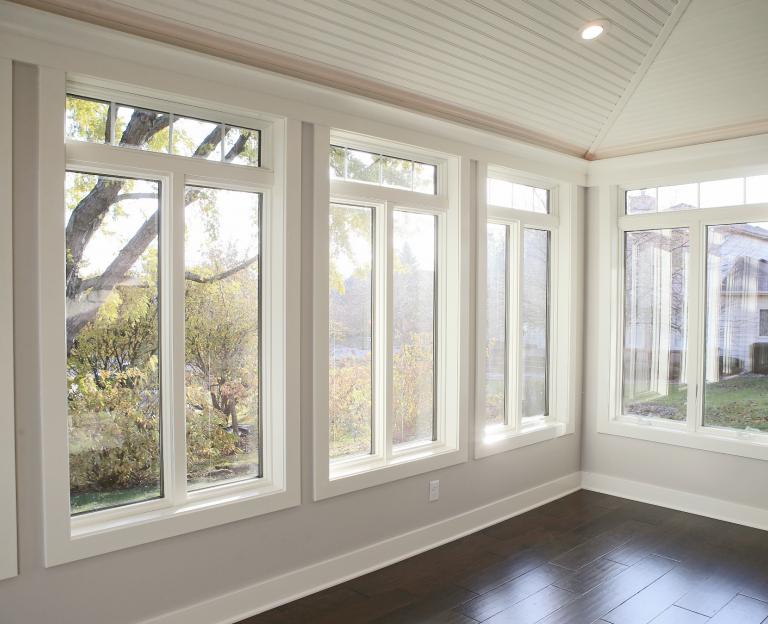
<point>391,269</point>
<point>703,373</point>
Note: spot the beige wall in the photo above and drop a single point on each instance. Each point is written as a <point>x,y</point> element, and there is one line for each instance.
<point>135,584</point>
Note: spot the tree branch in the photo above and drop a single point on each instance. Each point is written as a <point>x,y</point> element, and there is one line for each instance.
<point>195,277</point>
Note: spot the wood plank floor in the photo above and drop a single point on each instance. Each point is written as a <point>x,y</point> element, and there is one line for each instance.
<point>585,558</point>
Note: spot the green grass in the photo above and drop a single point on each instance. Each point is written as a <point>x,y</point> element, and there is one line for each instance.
<point>739,402</point>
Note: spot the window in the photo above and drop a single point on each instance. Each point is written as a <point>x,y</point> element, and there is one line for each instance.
<point>360,165</point>
<point>692,361</point>
<point>8,545</point>
<point>175,366</point>
<point>526,232</point>
<point>389,318</point>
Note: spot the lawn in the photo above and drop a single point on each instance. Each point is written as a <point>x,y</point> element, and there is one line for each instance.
<point>738,402</point>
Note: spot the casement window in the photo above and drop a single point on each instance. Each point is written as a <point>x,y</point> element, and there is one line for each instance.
<point>168,409</point>
<point>525,242</point>
<point>8,546</point>
<point>389,314</point>
<point>690,364</point>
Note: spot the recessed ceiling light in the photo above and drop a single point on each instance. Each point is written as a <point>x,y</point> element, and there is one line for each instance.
<point>593,29</point>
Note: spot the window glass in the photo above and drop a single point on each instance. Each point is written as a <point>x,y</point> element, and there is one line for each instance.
<point>680,197</point>
<point>142,128</point>
<point>535,322</point>
<point>641,201</point>
<point>655,323</point>
<point>382,170</point>
<point>757,189</point>
<point>363,166</point>
<point>194,137</point>
<point>424,178</point>
<point>350,330</point>
<point>242,146</point>
<point>764,323</point>
<point>222,309</point>
<point>87,119</point>
<point>722,193</point>
<point>711,194</point>
<point>497,247</point>
<point>736,389</point>
<point>413,326</point>
<point>397,172</point>
<point>507,194</point>
<point>112,341</point>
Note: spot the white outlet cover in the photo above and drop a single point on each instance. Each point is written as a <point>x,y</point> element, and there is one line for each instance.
<point>434,491</point>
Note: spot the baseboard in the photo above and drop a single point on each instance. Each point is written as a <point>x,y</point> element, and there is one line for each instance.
<point>240,604</point>
<point>677,499</point>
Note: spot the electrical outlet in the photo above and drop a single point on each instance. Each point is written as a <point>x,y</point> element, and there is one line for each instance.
<point>434,491</point>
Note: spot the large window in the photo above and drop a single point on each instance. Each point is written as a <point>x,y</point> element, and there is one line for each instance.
<point>175,358</point>
<point>517,323</point>
<point>392,338</point>
<point>692,361</point>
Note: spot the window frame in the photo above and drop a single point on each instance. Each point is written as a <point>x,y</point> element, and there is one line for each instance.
<point>179,511</point>
<point>8,545</point>
<point>561,224</point>
<point>692,432</point>
<point>343,475</point>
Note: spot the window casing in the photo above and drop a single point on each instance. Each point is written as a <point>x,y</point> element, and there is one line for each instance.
<point>400,277</point>
<point>184,190</point>
<point>525,240</point>
<point>686,319</point>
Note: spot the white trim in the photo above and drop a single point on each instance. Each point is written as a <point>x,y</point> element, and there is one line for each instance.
<point>680,500</point>
<point>8,559</point>
<point>177,511</point>
<point>259,597</point>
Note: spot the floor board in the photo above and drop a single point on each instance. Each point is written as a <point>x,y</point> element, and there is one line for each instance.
<point>584,558</point>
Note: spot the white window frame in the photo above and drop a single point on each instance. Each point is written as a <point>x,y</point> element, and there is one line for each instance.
<point>8,558</point>
<point>337,477</point>
<point>563,316</point>
<point>70,538</point>
<point>614,223</point>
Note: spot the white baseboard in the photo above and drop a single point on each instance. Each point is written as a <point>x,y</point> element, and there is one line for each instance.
<point>243,603</point>
<point>677,499</point>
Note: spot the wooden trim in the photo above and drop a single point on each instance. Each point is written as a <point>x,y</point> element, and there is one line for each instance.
<point>129,20</point>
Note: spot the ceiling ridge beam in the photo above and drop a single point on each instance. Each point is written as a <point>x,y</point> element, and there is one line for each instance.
<point>645,66</point>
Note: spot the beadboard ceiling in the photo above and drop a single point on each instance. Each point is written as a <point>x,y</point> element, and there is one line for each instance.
<point>665,73</point>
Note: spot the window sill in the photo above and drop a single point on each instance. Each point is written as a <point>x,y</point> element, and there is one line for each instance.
<point>506,440</point>
<point>358,474</point>
<point>115,529</point>
<point>742,444</point>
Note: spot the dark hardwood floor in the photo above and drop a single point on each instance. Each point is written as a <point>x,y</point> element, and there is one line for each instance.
<point>585,558</point>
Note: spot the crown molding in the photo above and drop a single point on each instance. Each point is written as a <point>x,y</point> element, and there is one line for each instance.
<point>131,21</point>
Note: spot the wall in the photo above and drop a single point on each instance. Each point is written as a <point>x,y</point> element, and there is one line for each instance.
<point>727,477</point>
<point>140,583</point>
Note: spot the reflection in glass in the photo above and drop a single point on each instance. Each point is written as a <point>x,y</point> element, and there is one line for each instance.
<point>736,360</point>
<point>413,326</point>
<point>496,324</point>
<point>655,323</point>
<point>350,400</point>
<point>535,323</point>
<point>113,366</point>
<point>222,315</point>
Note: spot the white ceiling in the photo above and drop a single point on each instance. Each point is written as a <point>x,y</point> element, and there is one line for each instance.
<point>666,72</point>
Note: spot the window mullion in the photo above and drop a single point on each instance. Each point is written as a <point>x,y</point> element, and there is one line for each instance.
<point>384,406</point>
<point>172,330</point>
<point>697,300</point>
<point>515,336</point>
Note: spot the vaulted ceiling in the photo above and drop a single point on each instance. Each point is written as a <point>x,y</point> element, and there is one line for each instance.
<point>665,73</point>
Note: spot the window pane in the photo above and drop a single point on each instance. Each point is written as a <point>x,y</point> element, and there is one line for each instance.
<point>722,193</point>
<point>757,189</point>
<point>112,341</point>
<point>535,320</point>
<point>680,197</point>
<point>87,119</point>
<point>736,389</point>
<point>337,162</point>
<point>194,137</point>
<point>350,400</point>
<point>145,129</point>
<point>655,325</point>
<point>363,166</point>
<point>242,146</point>
<point>641,201</point>
<point>222,310</point>
<point>424,178</point>
<point>413,326</point>
<point>496,324</point>
<point>517,196</point>
<point>396,172</point>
